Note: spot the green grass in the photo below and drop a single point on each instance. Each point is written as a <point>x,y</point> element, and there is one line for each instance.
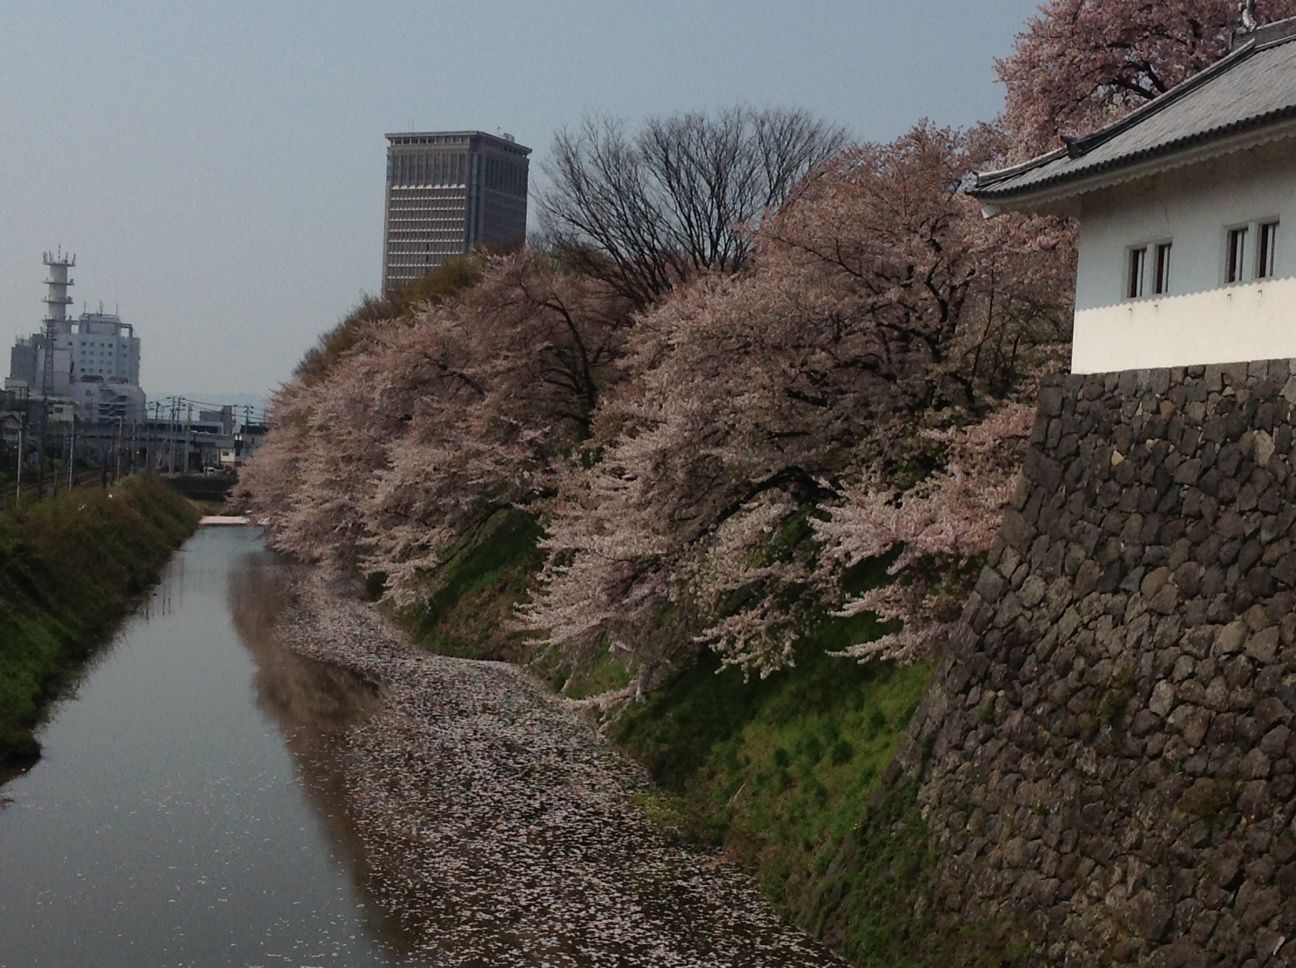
<point>875,905</point>
<point>477,589</point>
<point>663,809</point>
<point>69,567</point>
<point>609,674</point>
<point>789,776</point>
<point>585,677</point>
<point>778,770</point>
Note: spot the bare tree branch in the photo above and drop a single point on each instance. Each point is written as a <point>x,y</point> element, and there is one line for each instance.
<point>643,211</point>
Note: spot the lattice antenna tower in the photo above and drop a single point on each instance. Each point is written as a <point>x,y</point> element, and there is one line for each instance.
<point>56,301</point>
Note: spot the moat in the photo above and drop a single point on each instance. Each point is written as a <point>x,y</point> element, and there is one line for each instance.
<point>256,772</point>
<point>187,809</point>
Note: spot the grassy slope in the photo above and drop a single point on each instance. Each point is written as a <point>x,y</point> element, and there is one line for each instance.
<point>478,588</point>
<point>876,899</point>
<point>786,773</point>
<point>790,776</point>
<point>777,771</point>
<point>69,567</point>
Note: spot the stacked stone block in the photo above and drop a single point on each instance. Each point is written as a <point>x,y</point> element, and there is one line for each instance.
<point>1107,760</point>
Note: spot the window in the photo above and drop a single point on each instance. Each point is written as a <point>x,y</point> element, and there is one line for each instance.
<point>1266,248</point>
<point>1134,282</point>
<point>1147,270</point>
<point>1234,254</point>
<point>1161,282</point>
<point>1264,256</point>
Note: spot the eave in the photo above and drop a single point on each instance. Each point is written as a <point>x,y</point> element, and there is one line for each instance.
<point>1061,196</point>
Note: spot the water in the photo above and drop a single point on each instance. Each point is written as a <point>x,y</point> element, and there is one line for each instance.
<point>187,807</point>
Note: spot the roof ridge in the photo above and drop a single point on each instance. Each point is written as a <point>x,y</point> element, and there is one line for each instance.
<point>1083,146</point>
<point>1126,139</point>
<point>1267,35</point>
<point>1079,147</point>
<point>986,178</point>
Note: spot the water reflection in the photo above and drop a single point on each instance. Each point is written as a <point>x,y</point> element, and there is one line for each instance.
<point>313,704</point>
<point>168,596</point>
<point>187,809</point>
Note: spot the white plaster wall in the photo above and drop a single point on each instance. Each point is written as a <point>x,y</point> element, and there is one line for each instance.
<point>1253,321</point>
<point>1201,320</point>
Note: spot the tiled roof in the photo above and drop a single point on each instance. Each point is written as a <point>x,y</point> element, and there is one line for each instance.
<point>1251,88</point>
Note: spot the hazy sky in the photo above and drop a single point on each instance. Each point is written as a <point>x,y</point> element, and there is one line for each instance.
<point>218,167</point>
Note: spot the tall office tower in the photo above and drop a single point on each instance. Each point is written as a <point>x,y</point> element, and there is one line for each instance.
<point>449,193</point>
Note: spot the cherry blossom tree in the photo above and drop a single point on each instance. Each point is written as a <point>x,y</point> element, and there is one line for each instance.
<point>864,319</point>
<point>441,283</point>
<point>939,528</point>
<point>269,481</point>
<point>426,423</point>
<point>1081,64</point>
<point>329,438</point>
<point>537,347</point>
<point>705,467</point>
<point>942,295</point>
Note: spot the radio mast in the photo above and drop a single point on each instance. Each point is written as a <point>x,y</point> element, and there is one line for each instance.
<point>56,324</point>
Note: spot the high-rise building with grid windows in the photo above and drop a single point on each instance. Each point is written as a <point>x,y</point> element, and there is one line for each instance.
<point>449,193</point>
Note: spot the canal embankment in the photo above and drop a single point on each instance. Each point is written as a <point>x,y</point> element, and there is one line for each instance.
<point>70,568</point>
<point>496,820</point>
<point>778,773</point>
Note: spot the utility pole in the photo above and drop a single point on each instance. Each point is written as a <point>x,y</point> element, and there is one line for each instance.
<point>41,427</point>
<point>54,478</point>
<point>175,430</point>
<point>72,453</point>
<point>21,446</point>
<point>157,436</point>
<point>171,435</point>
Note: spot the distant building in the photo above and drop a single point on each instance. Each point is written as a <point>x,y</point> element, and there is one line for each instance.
<point>1187,208</point>
<point>448,194</point>
<point>102,346</point>
<point>103,401</point>
<point>95,359</point>
<point>22,362</point>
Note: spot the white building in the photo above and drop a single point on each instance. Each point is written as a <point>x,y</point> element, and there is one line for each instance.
<point>102,346</point>
<point>96,357</point>
<point>1187,213</point>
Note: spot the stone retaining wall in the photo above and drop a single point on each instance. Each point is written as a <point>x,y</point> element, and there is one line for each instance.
<point>1108,761</point>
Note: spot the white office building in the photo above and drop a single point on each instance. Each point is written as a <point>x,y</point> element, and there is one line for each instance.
<point>101,347</point>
